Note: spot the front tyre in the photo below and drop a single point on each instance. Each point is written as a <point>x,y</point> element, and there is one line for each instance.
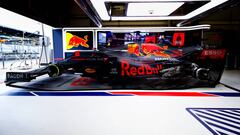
<point>54,70</point>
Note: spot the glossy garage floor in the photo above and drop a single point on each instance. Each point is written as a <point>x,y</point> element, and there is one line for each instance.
<point>129,112</point>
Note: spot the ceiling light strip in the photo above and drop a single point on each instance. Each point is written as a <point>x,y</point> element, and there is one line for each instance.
<point>152,9</point>
<point>99,5</point>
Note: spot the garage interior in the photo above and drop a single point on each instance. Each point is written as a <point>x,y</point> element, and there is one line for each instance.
<point>122,111</point>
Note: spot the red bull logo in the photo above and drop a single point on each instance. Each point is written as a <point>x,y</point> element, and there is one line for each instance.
<point>75,41</point>
<point>154,50</point>
<point>144,69</point>
<point>148,50</point>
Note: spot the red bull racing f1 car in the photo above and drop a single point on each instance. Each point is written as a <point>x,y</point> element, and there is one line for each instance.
<point>159,66</point>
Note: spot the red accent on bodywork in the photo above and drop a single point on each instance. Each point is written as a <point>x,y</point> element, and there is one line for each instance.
<point>151,47</point>
<point>77,53</point>
<point>83,81</point>
<point>79,59</point>
<point>177,53</point>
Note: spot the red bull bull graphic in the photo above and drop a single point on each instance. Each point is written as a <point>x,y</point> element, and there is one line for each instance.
<point>148,49</point>
<point>155,50</point>
<point>79,40</point>
<point>76,41</point>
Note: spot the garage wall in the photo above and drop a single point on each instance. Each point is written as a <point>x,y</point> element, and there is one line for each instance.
<point>57,44</point>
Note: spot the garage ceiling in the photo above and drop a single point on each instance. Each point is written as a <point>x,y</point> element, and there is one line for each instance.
<point>56,13</point>
<point>80,13</point>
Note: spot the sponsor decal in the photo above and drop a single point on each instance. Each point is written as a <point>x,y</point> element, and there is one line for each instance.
<point>165,59</point>
<point>148,49</point>
<point>144,69</point>
<point>90,70</point>
<point>213,53</point>
<point>17,76</point>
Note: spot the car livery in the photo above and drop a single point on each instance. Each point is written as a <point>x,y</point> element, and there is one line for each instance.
<point>146,60</point>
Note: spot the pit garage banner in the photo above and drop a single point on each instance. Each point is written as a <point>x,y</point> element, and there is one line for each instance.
<point>79,40</point>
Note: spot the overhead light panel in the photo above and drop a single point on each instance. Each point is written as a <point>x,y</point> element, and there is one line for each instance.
<point>100,7</point>
<point>152,9</point>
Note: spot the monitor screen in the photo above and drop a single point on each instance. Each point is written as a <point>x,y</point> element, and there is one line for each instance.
<point>102,38</point>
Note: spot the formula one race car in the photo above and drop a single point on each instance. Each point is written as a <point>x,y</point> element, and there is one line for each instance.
<point>146,60</point>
